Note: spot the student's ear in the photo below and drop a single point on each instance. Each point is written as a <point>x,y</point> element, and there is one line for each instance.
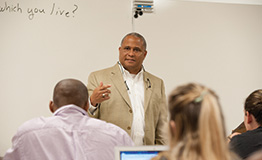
<point>51,106</point>
<point>86,107</point>
<point>249,117</point>
<point>172,125</point>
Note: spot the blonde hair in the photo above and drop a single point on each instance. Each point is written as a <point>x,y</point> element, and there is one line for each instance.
<point>199,124</point>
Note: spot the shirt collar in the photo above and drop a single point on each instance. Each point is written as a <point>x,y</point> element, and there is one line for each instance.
<point>69,107</point>
<point>133,76</point>
<point>126,72</point>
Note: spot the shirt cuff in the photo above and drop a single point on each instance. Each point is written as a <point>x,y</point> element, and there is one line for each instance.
<point>92,109</point>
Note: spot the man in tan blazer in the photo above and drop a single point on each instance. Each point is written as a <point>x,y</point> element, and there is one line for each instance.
<point>128,96</point>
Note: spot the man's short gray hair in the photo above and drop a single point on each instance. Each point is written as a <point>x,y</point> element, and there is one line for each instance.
<point>135,35</point>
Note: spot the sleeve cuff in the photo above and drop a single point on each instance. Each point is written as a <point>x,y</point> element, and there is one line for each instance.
<point>92,109</point>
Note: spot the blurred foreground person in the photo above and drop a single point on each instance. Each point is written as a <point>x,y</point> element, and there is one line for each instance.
<point>69,133</point>
<point>197,130</point>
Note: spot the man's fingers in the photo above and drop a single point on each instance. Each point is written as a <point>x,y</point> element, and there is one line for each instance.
<point>101,84</point>
<point>107,91</point>
<point>105,86</point>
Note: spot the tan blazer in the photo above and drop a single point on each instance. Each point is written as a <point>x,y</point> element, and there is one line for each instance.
<point>118,110</point>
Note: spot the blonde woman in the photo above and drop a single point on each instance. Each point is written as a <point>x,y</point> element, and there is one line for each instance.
<point>197,130</point>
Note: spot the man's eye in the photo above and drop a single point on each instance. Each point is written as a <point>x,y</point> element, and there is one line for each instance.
<point>127,48</point>
<point>137,50</point>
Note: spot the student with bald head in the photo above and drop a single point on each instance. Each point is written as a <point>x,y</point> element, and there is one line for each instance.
<point>70,134</point>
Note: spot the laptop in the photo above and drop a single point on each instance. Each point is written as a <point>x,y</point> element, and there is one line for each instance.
<point>138,152</point>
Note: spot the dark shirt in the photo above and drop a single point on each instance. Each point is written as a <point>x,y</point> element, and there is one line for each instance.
<point>247,143</point>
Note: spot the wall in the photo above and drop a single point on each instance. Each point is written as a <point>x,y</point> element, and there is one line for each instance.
<point>215,44</point>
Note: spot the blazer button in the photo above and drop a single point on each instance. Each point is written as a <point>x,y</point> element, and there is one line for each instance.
<point>130,111</point>
<point>128,128</point>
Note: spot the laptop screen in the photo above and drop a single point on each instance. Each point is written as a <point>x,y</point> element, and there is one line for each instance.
<point>138,152</point>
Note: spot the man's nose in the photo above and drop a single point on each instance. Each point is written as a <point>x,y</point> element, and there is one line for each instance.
<point>131,52</point>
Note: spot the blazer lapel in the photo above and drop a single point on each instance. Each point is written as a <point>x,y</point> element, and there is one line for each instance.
<point>148,89</point>
<point>117,79</point>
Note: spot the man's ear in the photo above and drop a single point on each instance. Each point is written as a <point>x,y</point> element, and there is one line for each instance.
<point>172,125</point>
<point>145,53</point>
<point>52,106</point>
<point>86,107</point>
